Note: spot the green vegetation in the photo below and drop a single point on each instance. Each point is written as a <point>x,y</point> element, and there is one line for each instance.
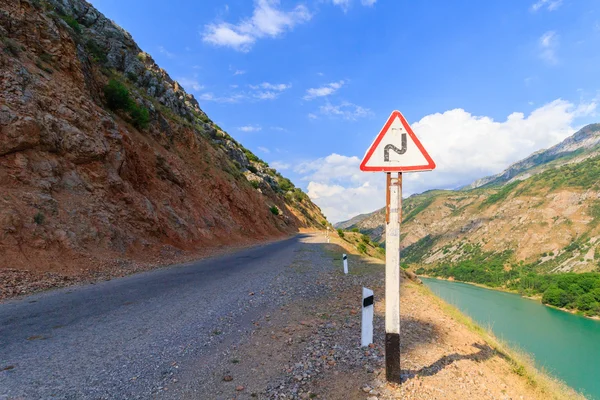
<point>72,22</point>
<point>362,248</point>
<point>577,175</point>
<point>285,184</point>
<point>274,210</point>
<point>500,195</point>
<point>39,218</point>
<point>118,98</point>
<point>365,239</point>
<point>340,233</point>
<point>97,54</point>
<point>252,169</point>
<point>255,184</point>
<point>565,290</point>
<point>11,47</point>
<point>413,211</point>
<point>299,195</point>
<point>355,230</point>
<point>415,252</point>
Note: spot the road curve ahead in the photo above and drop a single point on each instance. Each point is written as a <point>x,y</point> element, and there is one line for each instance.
<point>127,337</point>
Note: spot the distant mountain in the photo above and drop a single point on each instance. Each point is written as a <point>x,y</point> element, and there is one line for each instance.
<point>585,142</point>
<point>543,211</point>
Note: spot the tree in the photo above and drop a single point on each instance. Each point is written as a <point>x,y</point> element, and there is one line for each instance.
<point>586,302</point>
<point>340,233</point>
<point>555,297</point>
<point>117,96</point>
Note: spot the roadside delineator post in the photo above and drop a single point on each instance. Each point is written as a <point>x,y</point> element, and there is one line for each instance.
<point>345,258</point>
<point>366,337</point>
<point>395,149</point>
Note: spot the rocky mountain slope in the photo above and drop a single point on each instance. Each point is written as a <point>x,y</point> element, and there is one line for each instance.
<point>105,160</point>
<point>584,143</point>
<point>548,221</point>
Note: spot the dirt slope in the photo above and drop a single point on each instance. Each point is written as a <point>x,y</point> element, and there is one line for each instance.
<point>88,185</point>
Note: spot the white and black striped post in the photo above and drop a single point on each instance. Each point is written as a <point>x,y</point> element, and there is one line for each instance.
<point>345,258</point>
<point>366,337</point>
<point>392,278</point>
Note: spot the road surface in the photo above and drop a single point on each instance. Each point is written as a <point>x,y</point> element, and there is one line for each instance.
<point>131,337</point>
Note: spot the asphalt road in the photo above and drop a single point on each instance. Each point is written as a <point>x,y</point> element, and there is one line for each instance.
<point>127,338</point>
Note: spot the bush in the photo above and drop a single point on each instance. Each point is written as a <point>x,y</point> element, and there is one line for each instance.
<point>72,22</point>
<point>355,230</point>
<point>11,47</point>
<point>117,96</point>
<point>340,233</point>
<point>365,239</point>
<point>362,248</point>
<point>285,184</point>
<point>255,184</point>
<point>97,53</point>
<point>140,116</point>
<point>252,169</point>
<point>39,218</point>
<point>274,210</point>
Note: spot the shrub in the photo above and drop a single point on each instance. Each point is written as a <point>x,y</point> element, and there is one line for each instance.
<point>362,248</point>
<point>11,47</point>
<point>39,218</point>
<point>274,210</point>
<point>97,53</point>
<point>117,96</point>
<point>140,116</point>
<point>365,239</point>
<point>255,184</point>
<point>285,184</point>
<point>355,230</point>
<point>72,22</point>
<point>340,233</point>
<point>252,169</point>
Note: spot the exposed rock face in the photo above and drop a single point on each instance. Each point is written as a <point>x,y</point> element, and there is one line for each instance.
<point>80,184</point>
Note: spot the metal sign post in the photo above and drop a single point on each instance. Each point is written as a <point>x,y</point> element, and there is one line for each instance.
<point>392,277</point>
<point>395,149</point>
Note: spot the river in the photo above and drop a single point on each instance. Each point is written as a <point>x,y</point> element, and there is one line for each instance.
<point>565,345</point>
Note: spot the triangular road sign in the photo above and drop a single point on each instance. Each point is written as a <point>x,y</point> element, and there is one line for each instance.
<point>396,149</point>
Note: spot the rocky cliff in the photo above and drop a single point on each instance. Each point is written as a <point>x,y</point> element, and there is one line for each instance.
<point>105,160</point>
<point>548,218</point>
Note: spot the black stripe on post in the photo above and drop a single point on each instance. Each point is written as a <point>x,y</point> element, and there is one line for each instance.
<point>368,301</point>
<point>345,257</point>
<point>392,357</point>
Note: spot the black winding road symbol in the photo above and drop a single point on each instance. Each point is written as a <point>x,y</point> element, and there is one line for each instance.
<point>387,148</point>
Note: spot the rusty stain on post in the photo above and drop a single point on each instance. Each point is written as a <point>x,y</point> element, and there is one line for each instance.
<point>387,197</point>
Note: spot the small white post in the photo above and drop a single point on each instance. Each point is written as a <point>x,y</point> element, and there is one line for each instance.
<point>345,258</point>
<point>366,337</point>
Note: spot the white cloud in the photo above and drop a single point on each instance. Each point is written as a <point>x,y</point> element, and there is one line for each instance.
<point>239,72</point>
<point>268,91</point>
<point>250,128</point>
<point>164,51</point>
<point>345,110</point>
<point>550,5</point>
<point>548,45</point>
<point>279,129</point>
<point>209,96</point>
<point>264,149</point>
<point>267,21</point>
<point>322,91</point>
<point>312,116</point>
<point>279,165</point>
<point>465,147</point>
<point>190,83</point>
<point>345,4</point>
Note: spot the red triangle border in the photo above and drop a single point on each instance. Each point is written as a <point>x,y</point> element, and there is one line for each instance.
<point>428,167</point>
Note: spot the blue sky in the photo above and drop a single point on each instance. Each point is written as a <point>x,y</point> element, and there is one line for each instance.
<point>308,85</point>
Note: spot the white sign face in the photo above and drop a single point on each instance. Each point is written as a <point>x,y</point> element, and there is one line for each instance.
<point>396,149</point>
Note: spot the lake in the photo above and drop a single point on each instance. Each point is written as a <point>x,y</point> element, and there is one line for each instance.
<point>565,345</point>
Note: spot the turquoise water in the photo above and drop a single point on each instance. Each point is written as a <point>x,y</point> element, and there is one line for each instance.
<point>566,345</point>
